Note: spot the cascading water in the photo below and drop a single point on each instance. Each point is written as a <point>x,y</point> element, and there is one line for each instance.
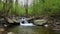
<point>24,22</point>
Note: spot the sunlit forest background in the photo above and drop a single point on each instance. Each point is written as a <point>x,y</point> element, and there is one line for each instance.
<point>36,8</point>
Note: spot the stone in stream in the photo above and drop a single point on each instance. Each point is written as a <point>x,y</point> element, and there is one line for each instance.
<point>10,33</point>
<point>2,30</point>
<point>46,25</point>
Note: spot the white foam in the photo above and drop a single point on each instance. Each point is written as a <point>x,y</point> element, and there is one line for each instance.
<point>27,24</point>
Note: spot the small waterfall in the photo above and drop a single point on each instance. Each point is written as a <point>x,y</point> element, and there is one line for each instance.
<point>24,22</point>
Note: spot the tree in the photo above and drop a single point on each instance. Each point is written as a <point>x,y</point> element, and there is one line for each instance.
<point>26,8</point>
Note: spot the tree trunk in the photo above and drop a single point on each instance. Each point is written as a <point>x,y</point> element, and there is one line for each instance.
<point>26,8</point>
<point>6,7</point>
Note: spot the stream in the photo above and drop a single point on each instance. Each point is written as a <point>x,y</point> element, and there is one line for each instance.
<point>31,30</point>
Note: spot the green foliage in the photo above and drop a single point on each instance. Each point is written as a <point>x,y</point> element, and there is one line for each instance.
<point>40,7</point>
<point>16,10</point>
<point>49,7</point>
<point>1,6</point>
<point>52,7</point>
<point>20,10</point>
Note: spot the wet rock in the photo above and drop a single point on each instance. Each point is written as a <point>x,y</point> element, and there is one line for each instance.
<point>5,25</point>
<point>46,25</point>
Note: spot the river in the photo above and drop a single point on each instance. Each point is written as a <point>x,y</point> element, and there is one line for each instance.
<point>32,30</point>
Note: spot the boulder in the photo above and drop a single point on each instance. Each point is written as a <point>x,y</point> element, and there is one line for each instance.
<point>14,20</point>
<point>10,20</point>
<point>40,21</point>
